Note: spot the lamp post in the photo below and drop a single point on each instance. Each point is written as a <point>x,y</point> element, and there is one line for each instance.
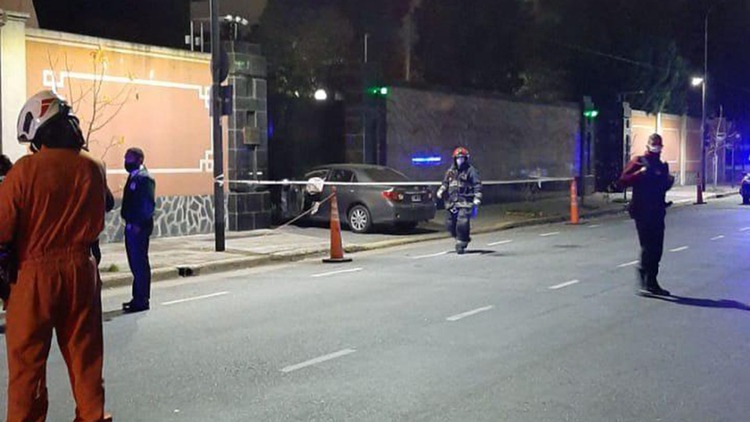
<point>704,82</point>
<point>703,94</point>
<point>219,224</point>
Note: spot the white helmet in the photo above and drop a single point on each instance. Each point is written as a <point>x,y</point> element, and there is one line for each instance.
<point>38,111</point>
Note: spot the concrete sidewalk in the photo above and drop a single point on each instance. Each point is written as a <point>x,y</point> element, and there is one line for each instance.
<point>194,255</point>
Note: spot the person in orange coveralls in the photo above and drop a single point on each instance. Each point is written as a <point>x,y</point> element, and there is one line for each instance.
<point>51,212</point>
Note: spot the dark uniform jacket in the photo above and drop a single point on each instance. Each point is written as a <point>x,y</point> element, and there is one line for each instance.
<point>462,185</point>
<point>650,186</point>
<point>139,199</point>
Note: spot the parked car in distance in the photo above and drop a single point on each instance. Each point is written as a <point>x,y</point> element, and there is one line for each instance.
<point>361,207</point>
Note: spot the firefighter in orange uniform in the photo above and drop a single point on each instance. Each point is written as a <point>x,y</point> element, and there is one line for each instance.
<point>52,210</point>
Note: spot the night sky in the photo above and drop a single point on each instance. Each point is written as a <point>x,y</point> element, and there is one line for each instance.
<point>166,22</point>
<point>159,22</point>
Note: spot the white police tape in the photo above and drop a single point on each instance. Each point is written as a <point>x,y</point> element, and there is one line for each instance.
<point>285,182</point>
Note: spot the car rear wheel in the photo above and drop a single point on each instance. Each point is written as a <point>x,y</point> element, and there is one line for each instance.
<point>360,220</point>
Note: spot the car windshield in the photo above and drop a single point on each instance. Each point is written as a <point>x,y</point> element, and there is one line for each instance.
<point>384,175</point>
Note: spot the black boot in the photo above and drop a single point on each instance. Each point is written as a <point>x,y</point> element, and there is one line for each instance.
<point>653,287</point>
<point>641,278</point>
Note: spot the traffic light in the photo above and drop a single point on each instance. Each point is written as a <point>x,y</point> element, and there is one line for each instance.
<point>589,110</point>
<point>590,113</point>
<point>378,91</point>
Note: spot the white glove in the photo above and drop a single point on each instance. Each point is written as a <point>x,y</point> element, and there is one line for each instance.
<point>477,202</point>
<point>441,192</point>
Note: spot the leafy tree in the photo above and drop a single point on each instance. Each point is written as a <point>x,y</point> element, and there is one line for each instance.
<point>307,46</point>
<point>473,47</point>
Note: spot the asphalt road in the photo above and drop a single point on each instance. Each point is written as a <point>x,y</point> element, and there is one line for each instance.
<point>536,324</point>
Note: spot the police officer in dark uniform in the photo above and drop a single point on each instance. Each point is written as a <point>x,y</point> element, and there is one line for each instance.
<point>650,179</point>
<point>464,194</point>
<point>138,205</point>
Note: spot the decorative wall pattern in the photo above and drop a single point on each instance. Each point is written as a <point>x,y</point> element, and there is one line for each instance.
<point>175,216</point>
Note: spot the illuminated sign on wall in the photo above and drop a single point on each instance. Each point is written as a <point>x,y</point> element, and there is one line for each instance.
<point>426,161</point>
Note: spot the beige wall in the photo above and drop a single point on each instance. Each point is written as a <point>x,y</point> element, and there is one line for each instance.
<point>163,95</point>
<point>681,136</point>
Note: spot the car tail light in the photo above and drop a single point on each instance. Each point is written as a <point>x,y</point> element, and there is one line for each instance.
<point>392,195</point>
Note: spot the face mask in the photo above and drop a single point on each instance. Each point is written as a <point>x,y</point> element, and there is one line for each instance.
<point>460,161</point>
<point>655,149</point>
<point>131,167</point>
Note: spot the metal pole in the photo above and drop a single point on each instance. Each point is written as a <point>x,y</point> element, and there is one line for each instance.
<point>219,225</point>
<point>192,35</point>
<point>203,41</point>
<point>703,103</point>
<point>364,104</point>
<point>367,36</point>
<point>734,147</point>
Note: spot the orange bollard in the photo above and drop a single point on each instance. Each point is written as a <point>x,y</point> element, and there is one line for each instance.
<point>337,248</point>
<point>699,192</point>
<point>573,203</point>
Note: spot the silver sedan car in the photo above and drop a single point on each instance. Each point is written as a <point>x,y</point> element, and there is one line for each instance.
<point>379,202</point>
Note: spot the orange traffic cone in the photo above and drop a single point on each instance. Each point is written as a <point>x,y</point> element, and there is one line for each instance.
<point>337,249</point>
<point>699,191</point>
<point>573,203</point>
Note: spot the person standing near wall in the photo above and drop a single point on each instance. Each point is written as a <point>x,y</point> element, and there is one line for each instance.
<point>52,210</point>
<point>464,194</point>
<point>138,206</point>
<point>5,166</point>
<point>7,261</point>
<point>650,179</point>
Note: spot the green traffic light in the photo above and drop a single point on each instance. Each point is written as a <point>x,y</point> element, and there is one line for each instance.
<point>591,113</point>
<point>381,91</point>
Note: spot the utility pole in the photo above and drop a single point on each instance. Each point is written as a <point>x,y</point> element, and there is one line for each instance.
<point>216,74</point>
<point>365,107</point>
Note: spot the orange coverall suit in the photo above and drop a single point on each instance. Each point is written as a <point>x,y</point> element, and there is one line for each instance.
<point>51,212</point>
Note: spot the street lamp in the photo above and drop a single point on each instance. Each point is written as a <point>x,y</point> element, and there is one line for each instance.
<point>321,95</point>
<point>701,81</point>
<point>704,83</point>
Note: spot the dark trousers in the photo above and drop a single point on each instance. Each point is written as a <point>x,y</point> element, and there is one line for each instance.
<point>459,224</point>
<point>96,251</point>
<point>651,238</point>
<point>136,245</point>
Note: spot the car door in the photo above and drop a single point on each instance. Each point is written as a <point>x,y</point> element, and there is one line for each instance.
<point>344,194</point>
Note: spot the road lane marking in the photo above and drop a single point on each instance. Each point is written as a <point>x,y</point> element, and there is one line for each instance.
<point>594,226</point>
<point>502,242</point>
<point>190,299</point>
<point>721,236</point>
<point>317,360</point>
<point>351,270</point>
<point>549,234</point>
<point>468,314</point>
<point>566,284</point>
<point>431,255</point>
<point>627,264</point>
<point>680,249</point>
<point>744,229</point>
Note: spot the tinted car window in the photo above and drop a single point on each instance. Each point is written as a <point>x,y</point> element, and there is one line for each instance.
<point>340,175</point>
<point>316,173</point>
<point>384,175</point>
